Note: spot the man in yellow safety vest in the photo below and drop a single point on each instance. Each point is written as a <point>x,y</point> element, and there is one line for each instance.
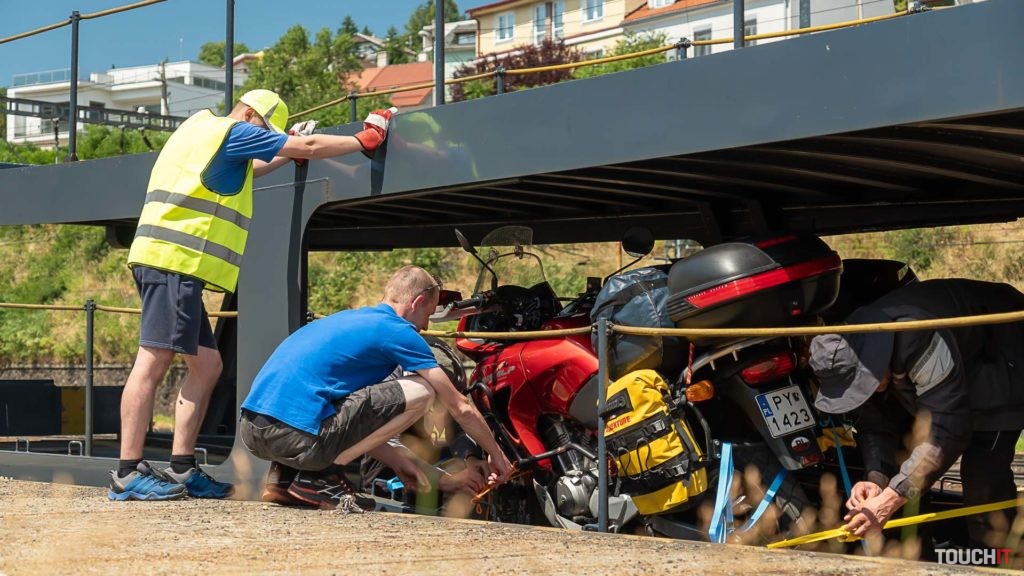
<point>191,236</point>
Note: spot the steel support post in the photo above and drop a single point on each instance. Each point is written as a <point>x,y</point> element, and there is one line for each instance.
<point>602,392</point>
<point>499,78</point>
<point>353,102</point>
<point>738,23</point>
<point>90,313</point>
<point>76,18</point>
<point>229,57</point>
<point>439,52</point>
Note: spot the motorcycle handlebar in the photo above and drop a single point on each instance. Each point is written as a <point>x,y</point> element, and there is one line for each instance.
<point>476,301</point>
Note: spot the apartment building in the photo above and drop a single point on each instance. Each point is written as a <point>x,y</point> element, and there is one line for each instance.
<point>592,26</point>
<point>169,89</point>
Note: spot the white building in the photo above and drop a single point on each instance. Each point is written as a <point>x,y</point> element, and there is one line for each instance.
<point>713,19</point>
<point>170,89</point>
<point>459,46</point>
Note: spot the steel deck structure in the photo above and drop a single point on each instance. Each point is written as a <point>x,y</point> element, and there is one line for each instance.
<point>915,121</point>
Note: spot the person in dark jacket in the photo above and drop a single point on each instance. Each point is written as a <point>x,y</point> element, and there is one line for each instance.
<point>963,386</point>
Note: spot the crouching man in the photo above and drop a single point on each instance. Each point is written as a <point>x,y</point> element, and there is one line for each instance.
<point>322,401</point>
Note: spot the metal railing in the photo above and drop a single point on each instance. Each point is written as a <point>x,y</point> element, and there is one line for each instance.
<point>90,308</point>
<point>681,47</point>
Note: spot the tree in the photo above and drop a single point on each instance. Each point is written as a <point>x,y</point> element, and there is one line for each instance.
<point>366,31</point>
<point>395,48</point>
<point>422,16</point>
<point>212,53</point>
<point>629,44</point>
<point>525,56</point>
<point>308,73</point>
<point>348,26</point>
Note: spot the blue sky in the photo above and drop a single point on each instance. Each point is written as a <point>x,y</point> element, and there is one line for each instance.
<point>172,29</point>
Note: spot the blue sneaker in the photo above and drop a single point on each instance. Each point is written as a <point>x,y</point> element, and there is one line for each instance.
<point>143,484</point>
<point>198,483</point>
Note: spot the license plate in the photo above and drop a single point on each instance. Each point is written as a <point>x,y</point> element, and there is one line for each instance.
<point>785,411</point>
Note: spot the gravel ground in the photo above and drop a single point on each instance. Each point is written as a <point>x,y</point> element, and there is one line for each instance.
<point>61,529</point>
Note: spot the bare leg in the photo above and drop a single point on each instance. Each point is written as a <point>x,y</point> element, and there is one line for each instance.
<point>203,372</point>
<point>151,365</point>
<point>418,396</point>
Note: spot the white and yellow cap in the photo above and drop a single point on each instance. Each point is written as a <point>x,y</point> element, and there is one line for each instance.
<point>269,106</point>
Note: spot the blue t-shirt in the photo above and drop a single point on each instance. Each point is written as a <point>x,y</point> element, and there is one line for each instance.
<point>245,142</point>
<point>328,359</point>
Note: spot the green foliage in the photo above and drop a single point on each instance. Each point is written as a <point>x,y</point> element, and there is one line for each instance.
<point>394,46</point>
<point>422,16</point>
<point>348,26</point>
<point>308,72</point>
<point>629,44</point>
<point>212,53</point>
<point>526,56</point>
<point>335,280</point>
<point>919,246</point>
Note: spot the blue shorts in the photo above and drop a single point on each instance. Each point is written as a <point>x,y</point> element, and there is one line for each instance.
<point>173,316</point>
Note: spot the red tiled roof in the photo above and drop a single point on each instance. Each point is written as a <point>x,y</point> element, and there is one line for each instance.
<point>679,5</point>
<point>397,76</point>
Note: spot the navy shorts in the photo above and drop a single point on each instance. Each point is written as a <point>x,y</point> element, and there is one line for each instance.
<point>173,316</point>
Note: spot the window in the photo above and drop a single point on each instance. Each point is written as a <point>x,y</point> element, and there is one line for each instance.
<point>750,29</point>
<point>593,10</point>
<point>505,29</point>
<point>540,23</point>
<point>659,3</point>
<point>465,38</point>
<point>593,54</point>
<point>548,21</point>
<point>703,34</point>
<point>558,20</point>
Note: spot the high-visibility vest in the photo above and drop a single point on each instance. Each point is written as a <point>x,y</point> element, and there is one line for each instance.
<point>185,227</point>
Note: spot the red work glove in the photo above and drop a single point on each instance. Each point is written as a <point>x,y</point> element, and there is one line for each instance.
<point>302,129</point>
<point>375,130</point>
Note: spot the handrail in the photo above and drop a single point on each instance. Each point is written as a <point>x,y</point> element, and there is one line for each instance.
<point>100,307</point>
<point>607,59</point>
<point>89,16</point>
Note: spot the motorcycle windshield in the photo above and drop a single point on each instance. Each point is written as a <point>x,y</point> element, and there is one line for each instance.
<point>507,251</point>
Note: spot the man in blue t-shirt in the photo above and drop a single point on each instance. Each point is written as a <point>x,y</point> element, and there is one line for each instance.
<point>322,400</point>
<point>191,236</point>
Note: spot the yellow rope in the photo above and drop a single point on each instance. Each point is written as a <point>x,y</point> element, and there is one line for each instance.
<point>959,322</point>
<point>900,522</point>
<point>41,307</point>
<point>535,334</point>
<point>591,62</point>
<point>99,307</point>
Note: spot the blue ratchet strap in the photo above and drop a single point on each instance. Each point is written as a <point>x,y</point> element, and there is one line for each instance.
<point>393,486</point>
<point>721,517</point>
<point>842,461</point>
<point>766,501</point>
<point>846,475</point>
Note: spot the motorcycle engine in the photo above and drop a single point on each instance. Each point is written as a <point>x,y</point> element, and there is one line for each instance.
<point>572,493</point>
<point>578,479</point>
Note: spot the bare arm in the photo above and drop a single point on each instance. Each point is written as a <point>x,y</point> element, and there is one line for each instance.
<point>463,411</point>
<point>307,147</point>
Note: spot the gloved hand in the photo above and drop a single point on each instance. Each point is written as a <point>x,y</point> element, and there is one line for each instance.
<point>375,130</point>
<point>305,128</point>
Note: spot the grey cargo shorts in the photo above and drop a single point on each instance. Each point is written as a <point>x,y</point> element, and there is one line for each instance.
<point>356,416</point>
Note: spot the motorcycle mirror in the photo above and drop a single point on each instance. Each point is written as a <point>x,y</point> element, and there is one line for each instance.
<point>464,242</point>
<point>448,296</point>
<point>638,242</point>
<point>472,251</point>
